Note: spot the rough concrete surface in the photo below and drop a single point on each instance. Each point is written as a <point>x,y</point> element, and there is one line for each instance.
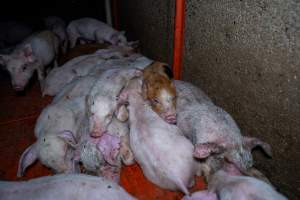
<point>245,54</point>
<point>151,23</point>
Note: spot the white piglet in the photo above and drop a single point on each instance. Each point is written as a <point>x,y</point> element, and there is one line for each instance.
<point>33,54</point>
<point>55,129</point>
<point>164,154</point>
<point>63,187</point>
<point>95,30</point>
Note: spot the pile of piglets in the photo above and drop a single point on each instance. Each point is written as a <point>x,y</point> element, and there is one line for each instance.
<point>115,107</point>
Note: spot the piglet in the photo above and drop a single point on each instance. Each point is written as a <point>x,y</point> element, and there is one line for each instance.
<point>103,155</point>
<point>161,150</point>
<point>58,26</point>
<point>159,90</point>
<point>102,102</point>
<point>33,54</point>
<point>229,183</point>
<point>56,127</point>
<point>86,65</point>
<point>95,30</point>
<point>63,187</point>
<point>213,131</point>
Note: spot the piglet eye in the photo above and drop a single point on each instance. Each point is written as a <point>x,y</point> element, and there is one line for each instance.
<point>155,101</point>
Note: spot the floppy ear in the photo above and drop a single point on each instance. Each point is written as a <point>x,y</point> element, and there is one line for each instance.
<point>206,149</point>
<point>28,157</point>
<point>68,137</point>
<point>252,142</point>
<point>27,53</point>
<point>122,32</point>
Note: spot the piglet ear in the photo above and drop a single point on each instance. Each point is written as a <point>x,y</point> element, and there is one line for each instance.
<point>204,150</point>
<point>122,32</point>
<point>122,113</point>
<point>27,53</point>
<point>252,142</point>
<point>28,157</point>
<point>68,137</point>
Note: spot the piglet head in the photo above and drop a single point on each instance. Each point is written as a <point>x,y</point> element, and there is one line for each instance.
<point>161,94</point>
<point>109,145</point>
<point>20,65</point>
<point>100,112</point>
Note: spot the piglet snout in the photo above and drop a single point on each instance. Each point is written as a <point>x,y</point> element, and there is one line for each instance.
<point>18,88</point>
<point>170,118</point>
<point>97,133</point>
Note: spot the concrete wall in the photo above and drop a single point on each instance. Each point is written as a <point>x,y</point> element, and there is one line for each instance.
<point>151,23</point>
<point>245,54</point>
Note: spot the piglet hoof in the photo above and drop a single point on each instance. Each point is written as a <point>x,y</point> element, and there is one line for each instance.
<point>111,173</point>
<point>127,156</point>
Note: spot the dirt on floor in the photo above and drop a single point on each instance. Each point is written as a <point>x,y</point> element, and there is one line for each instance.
<point>18,114</point>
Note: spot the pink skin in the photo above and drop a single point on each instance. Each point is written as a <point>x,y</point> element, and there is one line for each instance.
<point>170,117</point>
<point>109,145</point>
<point>97,130</point>
<point>229,183</point>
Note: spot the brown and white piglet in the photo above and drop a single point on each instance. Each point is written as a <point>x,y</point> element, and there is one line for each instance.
<point>159,90</point>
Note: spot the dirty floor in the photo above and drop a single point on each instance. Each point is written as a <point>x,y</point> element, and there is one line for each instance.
<point>18,114</point>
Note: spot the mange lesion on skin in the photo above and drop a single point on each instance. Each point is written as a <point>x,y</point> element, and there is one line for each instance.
<point>159,90</point>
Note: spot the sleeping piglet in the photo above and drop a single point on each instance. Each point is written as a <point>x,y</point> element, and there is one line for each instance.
<point>102,156</point>
<point>159,90</point>
<point>213,131</point>
<point>63,187</point>
<point>33,54</point>
<point>102,102</point>
<point>161,150</point>
<point>56,127</point>
<point>229,183</point>
<point>84,65</point>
